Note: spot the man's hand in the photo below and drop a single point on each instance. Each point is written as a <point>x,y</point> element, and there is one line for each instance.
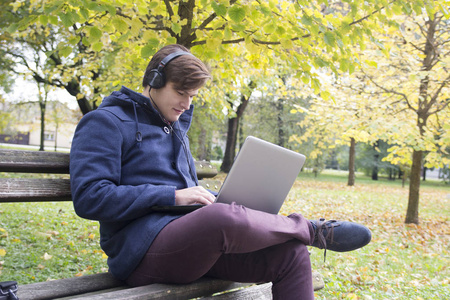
<point>193,195</point>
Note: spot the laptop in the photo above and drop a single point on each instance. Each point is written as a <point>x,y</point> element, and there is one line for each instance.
<point>260,178</point>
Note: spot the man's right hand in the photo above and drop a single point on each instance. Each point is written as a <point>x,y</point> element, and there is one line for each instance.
<point>194,195</point>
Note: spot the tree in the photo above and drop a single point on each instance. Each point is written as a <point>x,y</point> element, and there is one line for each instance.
<point>233,126</point>
<point>348,118</point>
<point>41,39</point>
<point>42,100</point>
<point>416,81</point>
<point>6,80</point>
<point>101,45</point>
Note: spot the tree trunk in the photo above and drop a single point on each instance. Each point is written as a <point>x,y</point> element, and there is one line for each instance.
<point>42,109</point>
<point>281,133</point>
<point>73,87</point>
<point>412,213</point>
<point>424,174</point>
<point>84,105</point>
<point>403,178</point>
<point>56,137</point>
<point>202,152</point>
<point>233,126</point>
<point>375,163</point>
<point>241,132</point>
<point>230,147</point>
<point>351,163</point>
<point>375,168</point>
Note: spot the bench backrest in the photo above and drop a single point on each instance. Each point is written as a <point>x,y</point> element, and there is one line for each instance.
<point>56,189</point>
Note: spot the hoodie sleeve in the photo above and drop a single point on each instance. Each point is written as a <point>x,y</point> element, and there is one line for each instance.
<point>95,173</point>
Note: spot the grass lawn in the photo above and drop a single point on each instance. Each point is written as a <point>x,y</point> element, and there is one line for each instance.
<point>44,241</point>
<point>402,261</point>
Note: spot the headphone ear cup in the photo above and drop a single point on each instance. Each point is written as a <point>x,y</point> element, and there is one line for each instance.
<point>156,79</point>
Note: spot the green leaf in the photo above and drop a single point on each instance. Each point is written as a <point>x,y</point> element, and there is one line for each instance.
<point>319,62</point>
<point>176,27</point>
<point>66,19</point>
<point>111,9</point>
<point>65,51</point>
<point>97,46</point>
<point>287,43</point>
<point>171,40</point>
<point>12,28</point>
<point>154,42</point>
<point>123,38</point>
<point>153,5</point>
<point>269,28</point>
<point>94,33</point>
<point>85,41</point>
<point>280,30</point>
<point>265,10</point>
<point>237,27</point>
<point>219,9</point>
<point>306,20</point>
<point>43,19</point>
<point>227,33</point>
<point>120,24</point>
<point>372,63</point>
<point>329,39</point>
<point>149,49</point>
<point>74,40</point>
<point>237,14</point>
<point>53,20</point>
<point>84,13</point>
<point>343,65</point>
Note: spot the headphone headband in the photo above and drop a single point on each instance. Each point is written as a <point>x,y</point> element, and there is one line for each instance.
<point>157,78</point>
<point>170,57</point>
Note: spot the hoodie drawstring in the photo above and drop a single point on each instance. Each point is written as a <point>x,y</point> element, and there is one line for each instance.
<point>138,132</point>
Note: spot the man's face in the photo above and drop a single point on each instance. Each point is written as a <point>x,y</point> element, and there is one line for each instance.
<point>172,102</point>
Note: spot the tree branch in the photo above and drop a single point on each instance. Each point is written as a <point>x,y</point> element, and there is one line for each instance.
<point>390,91</point>
<point>169,8</point>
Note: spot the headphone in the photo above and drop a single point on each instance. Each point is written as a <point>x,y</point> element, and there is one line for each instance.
<point>157,78</point>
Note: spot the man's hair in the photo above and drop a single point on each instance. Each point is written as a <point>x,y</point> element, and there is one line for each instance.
<point>186,72</point>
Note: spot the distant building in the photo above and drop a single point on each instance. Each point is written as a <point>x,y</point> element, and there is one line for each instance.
<point>26,129</point>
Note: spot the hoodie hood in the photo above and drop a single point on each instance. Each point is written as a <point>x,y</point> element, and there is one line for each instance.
<point>127,104</point>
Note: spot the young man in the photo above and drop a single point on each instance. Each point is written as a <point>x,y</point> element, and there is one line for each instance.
<point>132,154</point>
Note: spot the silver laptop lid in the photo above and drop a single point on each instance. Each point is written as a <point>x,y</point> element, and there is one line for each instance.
<point>261,176</point>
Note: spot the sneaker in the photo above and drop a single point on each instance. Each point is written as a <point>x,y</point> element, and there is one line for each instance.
<point>340,236</point>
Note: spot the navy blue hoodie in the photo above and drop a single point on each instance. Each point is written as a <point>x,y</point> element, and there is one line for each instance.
<point>124,160</point>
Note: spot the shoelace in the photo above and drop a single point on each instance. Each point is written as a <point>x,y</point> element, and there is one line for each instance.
<point>322,225</point>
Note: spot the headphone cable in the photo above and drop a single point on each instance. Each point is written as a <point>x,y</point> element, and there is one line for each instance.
<point>172,129</point>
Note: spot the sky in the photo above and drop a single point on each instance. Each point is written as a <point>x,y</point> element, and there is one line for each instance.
<point>25,90</point>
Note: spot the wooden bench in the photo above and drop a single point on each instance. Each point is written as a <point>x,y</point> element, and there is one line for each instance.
<point>104,285</point>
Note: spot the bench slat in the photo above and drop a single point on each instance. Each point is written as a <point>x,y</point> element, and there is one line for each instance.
<point>205,169</point>
<point>258,291</point>
<point>26,161</point>
<point>199,288</point>
<point>210,184</point>
<point>40,190</point>
<point>105,286</point>
<point>34,190</point>
<point>84,287</point>
<point>68,287</point>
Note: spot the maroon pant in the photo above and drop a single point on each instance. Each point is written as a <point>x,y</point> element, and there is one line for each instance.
<point>235,243</point>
